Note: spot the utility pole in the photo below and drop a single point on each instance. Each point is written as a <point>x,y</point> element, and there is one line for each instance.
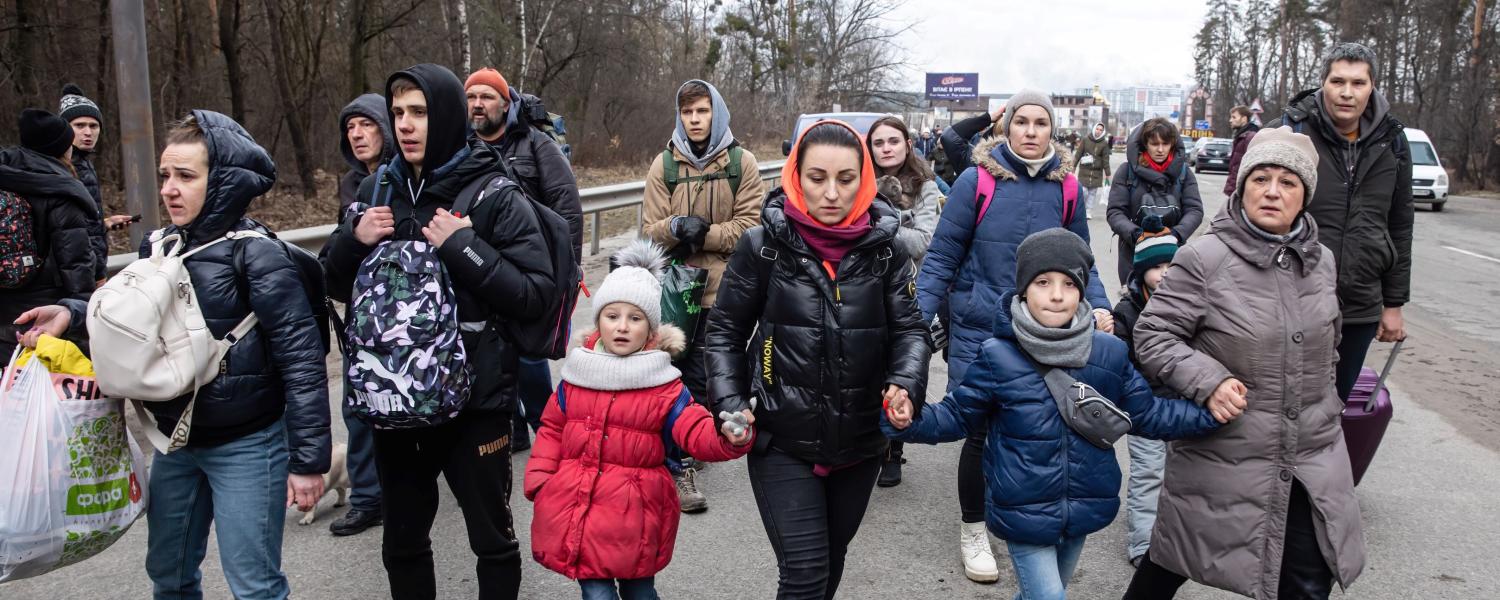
<point>137,141</point>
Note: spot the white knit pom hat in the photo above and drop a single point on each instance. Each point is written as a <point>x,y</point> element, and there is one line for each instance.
<point>636,280</point>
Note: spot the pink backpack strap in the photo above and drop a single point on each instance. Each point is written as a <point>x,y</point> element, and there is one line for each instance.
<point>984,192</point>
<point>1070,198</point>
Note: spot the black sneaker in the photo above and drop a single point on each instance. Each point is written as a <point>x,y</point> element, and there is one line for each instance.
<point>356,521</point>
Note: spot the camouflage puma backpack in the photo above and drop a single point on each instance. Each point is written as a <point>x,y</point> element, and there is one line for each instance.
<point>406,364</point>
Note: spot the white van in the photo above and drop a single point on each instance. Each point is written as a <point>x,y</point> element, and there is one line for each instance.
<point>1429,182</point>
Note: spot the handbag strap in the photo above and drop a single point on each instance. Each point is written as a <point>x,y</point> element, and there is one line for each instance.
<point>1058,384</point>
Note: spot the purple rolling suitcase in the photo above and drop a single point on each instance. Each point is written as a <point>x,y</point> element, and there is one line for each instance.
<point>1367,412</point>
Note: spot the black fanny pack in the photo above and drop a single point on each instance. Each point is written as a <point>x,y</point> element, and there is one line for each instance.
<point>1088,413</point>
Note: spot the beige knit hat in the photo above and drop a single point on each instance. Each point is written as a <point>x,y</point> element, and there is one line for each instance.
<point>1285,148</point>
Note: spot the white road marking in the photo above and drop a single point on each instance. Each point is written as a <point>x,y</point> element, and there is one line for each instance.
<point>1473,254</point>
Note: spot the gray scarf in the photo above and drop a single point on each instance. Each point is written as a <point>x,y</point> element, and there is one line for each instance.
<point>1066,347</point>
<point>1274,238</point>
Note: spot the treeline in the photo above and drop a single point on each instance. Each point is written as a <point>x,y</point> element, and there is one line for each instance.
<point>284,68</point>
<point>1439,65</point>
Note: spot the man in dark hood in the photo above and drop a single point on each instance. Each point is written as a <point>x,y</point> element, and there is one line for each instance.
<point>366,142</point>
<point>496,258</point>
<point>1362,203</point>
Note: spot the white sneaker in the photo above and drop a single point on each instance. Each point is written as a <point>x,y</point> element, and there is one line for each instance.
<point>979,559</point>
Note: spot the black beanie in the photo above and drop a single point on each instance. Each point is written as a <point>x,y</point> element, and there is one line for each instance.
<point>45,132</point>
<point>74,104</point>
<point>1055,249</point>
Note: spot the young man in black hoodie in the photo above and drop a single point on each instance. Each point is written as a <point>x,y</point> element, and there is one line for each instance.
<point>497,260</point>
<point>366,142</point>
<point>83,115</point>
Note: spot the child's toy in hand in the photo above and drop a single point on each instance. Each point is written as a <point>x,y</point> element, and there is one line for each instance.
<point>737,421</point>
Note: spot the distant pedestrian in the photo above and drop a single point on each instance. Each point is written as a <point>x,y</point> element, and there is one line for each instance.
<point>606,508</point>
<point>824,271</point>
<point>1244,129</point>
<point>1092,162</point>
<point>1048,488</point>
<point>1363,208</point>
<point>1153,191</point>
<point>1246,323</point>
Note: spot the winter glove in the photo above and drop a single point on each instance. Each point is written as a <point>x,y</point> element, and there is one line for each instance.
<point>690,230</point>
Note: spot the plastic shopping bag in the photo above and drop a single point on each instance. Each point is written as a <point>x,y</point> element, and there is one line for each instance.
<point>682,288</point>
<point>72,479</point>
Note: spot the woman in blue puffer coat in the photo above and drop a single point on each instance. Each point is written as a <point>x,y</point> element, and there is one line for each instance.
<point>971,264</point>
<point>1048,486</point>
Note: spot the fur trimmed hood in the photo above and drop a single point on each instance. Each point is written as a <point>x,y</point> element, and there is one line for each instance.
<point>669,339</point>
<point>985,157</point>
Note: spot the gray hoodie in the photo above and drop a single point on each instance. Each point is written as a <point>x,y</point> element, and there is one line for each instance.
<point>372,107</point>
<point>719,137</point>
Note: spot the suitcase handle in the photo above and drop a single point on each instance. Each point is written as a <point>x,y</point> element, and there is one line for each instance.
<point>1389,362</point>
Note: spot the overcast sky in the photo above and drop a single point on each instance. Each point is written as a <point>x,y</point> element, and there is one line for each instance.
<point>1075,44</point>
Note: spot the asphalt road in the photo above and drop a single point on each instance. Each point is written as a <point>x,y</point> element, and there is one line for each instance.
<point>1428,501</point>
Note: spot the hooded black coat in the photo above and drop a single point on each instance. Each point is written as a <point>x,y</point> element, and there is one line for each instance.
<point>278,368</point>
<point>820,353</point>
<point>99,238</point>
<point>1131,183</point>
<point>64,221</point>
<point>501,268</point>
<point>1363,204</point>
<point>372,107</point>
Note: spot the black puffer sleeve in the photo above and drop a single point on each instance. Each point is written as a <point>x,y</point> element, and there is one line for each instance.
<point>909,353</point>
<point>343,252</point>
<point>741,300</point>
<point>291,335</point>
<point>508,267</point>
<point>72,228</point>
<point>559,187</point>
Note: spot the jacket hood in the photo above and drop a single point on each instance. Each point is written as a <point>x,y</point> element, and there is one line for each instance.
<point>1230,227</point>
<point>475,159</point>
<point>372,107</point>
<point>719,137</point>
<point>885,221</point>
<point>791,180</point>
<point>447,122</point>
<point>993,155</point>
<point>239,170</point>
<point>32,174</point>
<point>1308,106</point>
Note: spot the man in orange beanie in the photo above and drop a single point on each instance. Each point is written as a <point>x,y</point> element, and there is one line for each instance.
<point>530,156</point>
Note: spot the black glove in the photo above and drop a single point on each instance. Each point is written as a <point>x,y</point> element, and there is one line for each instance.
<point>690,230</point>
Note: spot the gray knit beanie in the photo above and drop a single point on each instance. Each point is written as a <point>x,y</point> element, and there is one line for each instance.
<point>1028,96</point>
<point>74,105</point>
<point>1284,148</point>
<point>1055,249</point>
<point>635,279</point>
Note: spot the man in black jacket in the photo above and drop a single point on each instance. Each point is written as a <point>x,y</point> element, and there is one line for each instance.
<point>497,260</point>
<point>1244,129</point>
<point>1363,204</point>
<point>87,122</point>
<point>63,221</point>
<point>499,116</point>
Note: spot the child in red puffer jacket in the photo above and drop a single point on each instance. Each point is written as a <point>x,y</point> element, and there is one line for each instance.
<point>606,505</point>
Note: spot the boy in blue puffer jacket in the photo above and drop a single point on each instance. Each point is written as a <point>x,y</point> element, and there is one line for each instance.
<point>1049,488</point>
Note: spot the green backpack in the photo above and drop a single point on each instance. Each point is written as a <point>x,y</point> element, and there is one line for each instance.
<point>670,171</point>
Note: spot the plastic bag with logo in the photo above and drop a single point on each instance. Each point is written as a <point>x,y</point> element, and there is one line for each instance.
<point>72,479</point>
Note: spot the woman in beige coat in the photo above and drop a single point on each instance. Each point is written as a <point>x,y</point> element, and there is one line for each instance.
<point>1247,323</point>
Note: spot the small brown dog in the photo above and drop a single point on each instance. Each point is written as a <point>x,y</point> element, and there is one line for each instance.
<point>336,479</point>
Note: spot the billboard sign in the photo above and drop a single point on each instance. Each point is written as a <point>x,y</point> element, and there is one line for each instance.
<point>952,86</point>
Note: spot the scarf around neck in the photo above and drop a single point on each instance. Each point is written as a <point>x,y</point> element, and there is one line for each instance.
<point>830,244</point>
<point>1066,347</point>
<point>1274,238</point>
<point>1035,166</point>
<point>600,370</point>
<point>1155,166</point>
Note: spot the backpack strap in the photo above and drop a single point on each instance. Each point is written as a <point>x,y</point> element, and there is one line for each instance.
<point>381,195</point>
<point>472,194</point>
<point>680,404</point>
<point>562,399</point>
<point>984,192</point>
<point>1070,198</point>
<point>735,154</point>
<point>669,171</point>
<point>1181,180</point>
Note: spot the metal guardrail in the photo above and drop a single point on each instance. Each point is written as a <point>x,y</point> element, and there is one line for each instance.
<point>596,200</point>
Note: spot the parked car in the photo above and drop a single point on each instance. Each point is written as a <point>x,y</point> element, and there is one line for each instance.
<point>1212,156</point>
<point>860,121</point>
<point>1429,181</point>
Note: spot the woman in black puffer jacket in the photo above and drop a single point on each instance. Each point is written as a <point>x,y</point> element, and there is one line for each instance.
<point>825,300</point>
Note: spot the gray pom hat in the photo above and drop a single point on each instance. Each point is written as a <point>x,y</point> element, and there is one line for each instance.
<point>1284,148</point>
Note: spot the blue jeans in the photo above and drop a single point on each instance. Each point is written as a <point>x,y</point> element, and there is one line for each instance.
<point>1148,459</point>
<point>239,488</point>
<point>630,589</point>
<point>1042,572</point>
<point>364,480</point>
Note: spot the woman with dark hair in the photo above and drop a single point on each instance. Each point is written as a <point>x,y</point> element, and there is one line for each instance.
<point>1154,193</point>
<point>972,265</point>
<point>821,294</point>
